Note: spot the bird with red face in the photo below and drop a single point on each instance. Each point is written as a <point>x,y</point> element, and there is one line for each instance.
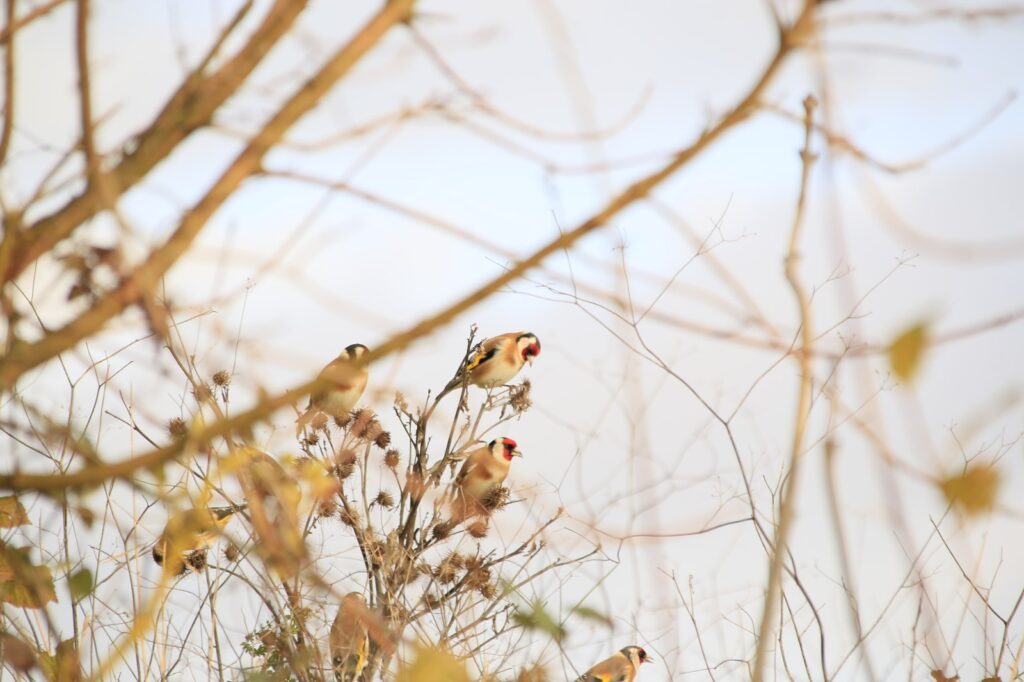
<point>496,361</point>
<point>623,666</point>
<point>483,471</point>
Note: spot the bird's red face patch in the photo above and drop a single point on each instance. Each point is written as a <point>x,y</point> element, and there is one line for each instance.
<point>531,351</point>
<point>509,446</point>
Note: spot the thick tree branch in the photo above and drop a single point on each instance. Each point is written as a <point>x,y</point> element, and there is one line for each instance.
<point>191,107</point>
<point>145,277</point>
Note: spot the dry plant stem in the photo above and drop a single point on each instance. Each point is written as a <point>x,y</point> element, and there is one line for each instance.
<point>5,134</point>
<point>802,407</point>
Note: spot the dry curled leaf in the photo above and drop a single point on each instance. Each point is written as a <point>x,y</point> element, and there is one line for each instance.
<point>12,513</point>
<point>433,665</point>
<point>906,351</point>
<point>22,583</point>
<point>974,491</point>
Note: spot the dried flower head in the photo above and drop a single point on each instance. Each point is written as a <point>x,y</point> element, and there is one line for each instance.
<point>383,440</point>
<point>196,559</point>
<point>424,569</point>
<point>446,572</point>
<point>312,438</point>
<point>456,560</point>
<point>441,530</point>
<point>177,427</point>
<point>343,420</point>
<point>401,403</point>
<point>385,499</point>
<point>326,508</point>
<point>376,551</point>
<point>345,463</point>
<point>478,529</point>
<point>473,562</point>
<point>431,600</point>
<point>478,577</point>
<point>222,378</point>
<point>392,459</point>
<point>519,397</point>
<point>349,517</point>
<point>319,422</point>
<point>488,591</point>
<point>495,499</point>
<point>231,553</point>
<point>202,393</point>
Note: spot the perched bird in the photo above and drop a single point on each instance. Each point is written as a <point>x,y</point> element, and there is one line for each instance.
<point>622,667</point>
<point>349,639</point>
<point>483,471</point>
<point>264,479</point>
<point>187,536</point>
<point>347,385</point>
<point>497,361</point>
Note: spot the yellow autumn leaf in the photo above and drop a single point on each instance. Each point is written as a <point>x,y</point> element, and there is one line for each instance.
<point>974,490</point>
<point>906,351</point>
<point>433,665</point>
<point>22,583</point>
<point>12,513</point>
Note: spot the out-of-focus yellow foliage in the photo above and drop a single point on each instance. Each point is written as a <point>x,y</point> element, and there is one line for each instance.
<point>12,513</point>
<point>974,490</point>
<point>63,665</point>
<point>16,654</point>
<point>22,583</point>
<point>433,665</point>
<point>906,351</point>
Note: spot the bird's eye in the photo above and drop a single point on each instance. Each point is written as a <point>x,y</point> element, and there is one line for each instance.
<point>643,655</point>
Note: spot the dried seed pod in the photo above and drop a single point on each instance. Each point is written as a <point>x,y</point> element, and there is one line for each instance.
<point>349,517</point>
<point>495,499</point>
<point>385,499</point>
<point>478,529</point>
<point>177,427</point>
<point>326,508</point>
<point>488,591</point>
<point>441,530</point>
<point>222,378</point>
<point>392,459</point>
<point>383,440</point>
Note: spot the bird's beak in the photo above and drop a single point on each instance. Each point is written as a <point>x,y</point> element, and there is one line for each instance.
<point>516,453</point>
<point>648,659</point>
<point>529,359</point>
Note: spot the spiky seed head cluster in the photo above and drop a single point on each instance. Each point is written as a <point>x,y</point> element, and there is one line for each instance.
<point>177,427</point>
<point>496,498</point>
<point>519,397</point>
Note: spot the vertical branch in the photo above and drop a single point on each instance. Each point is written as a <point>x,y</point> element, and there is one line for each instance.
<point>803,397</point>
<point>84,87</point>
<point>5,133</point>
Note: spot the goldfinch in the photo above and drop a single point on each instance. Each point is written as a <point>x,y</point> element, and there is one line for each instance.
<point>186,537</point>
<point>347,385</point>
<point>349,639</point>
<point>497,361</point>
<point>263,478</point>
<point>483,471</point>
<point>622,667</point>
